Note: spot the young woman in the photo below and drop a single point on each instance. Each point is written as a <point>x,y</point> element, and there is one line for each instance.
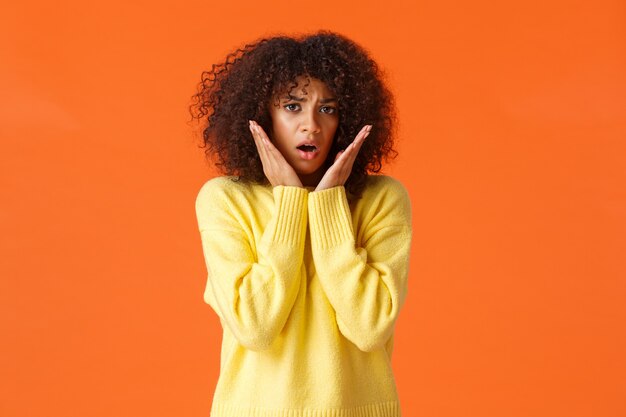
<point>307,253</point>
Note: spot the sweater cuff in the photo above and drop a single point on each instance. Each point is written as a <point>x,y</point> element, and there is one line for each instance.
<point>330,218</point>
<point>291,205</point>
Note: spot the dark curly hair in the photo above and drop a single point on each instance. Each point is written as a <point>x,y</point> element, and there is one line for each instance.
<point>240,89</point>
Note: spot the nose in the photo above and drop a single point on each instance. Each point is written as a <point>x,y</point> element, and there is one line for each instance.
<point>310,124</point>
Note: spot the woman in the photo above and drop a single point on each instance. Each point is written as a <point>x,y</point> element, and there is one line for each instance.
<point>307,253</point>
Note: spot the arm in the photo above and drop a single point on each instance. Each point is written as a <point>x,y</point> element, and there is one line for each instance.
<point>252,291</point>
<point>366,284</point>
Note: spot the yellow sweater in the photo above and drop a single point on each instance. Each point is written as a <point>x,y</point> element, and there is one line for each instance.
<point>308,313</point>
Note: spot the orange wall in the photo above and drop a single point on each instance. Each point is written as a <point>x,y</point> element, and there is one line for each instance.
<point>512,145</point>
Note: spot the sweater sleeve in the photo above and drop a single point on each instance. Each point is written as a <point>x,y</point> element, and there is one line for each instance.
<point>252,288</point>
<point>366,284</point>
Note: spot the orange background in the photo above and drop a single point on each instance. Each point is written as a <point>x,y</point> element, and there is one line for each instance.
<point>512,146</point>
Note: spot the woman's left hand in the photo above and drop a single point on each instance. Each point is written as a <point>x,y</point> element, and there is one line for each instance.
<point>340,170</point>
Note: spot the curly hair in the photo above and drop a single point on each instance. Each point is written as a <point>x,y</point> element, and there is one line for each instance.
<point>240,88</point>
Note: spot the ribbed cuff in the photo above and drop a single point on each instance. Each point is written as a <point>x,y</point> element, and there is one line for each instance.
<point>329,217</point>
<point>291,207</point>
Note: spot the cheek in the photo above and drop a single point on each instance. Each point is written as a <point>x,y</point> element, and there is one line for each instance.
<point>282,135</point>
<point>282,124</point>
<point>332,129</point>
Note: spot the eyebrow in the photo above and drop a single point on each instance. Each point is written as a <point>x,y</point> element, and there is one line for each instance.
<point>300,99</point>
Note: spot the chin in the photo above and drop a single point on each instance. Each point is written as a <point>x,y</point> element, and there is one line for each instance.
<point>308,171</point>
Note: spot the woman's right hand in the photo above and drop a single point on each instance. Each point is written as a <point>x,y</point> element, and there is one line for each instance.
<point>275,166</point>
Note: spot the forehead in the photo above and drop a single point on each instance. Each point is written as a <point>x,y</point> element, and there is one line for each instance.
<point>308,85</point>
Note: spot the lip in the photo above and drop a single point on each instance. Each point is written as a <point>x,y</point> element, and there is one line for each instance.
<point>308,155</point>
<point>309,142</point>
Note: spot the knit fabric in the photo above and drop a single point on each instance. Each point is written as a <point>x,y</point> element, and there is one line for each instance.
<point>308,290</point>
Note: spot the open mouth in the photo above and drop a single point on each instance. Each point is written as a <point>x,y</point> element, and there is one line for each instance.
<point>308,152</point>
<point>307,148</point>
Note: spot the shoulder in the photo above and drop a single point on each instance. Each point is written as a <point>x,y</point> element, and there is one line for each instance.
<point>231,192</point>
<point>386,188</point>
<point>229,185</point>
<point>222,202</point>
<point>385,201</point>
<point>385,182</point>
<point>220,190</point>
<point>218,185</point>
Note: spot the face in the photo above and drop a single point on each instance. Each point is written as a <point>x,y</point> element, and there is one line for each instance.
<point>303,127</point>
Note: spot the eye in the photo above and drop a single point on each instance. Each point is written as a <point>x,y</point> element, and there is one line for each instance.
<point>329,110</point>
<point>289,108</point>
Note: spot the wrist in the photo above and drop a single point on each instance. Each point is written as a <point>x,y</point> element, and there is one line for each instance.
<point>289,184</point>
<point>293,184</point>
<point>327,187</point>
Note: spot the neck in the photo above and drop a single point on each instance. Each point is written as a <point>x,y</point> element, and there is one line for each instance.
<point>312,179</point>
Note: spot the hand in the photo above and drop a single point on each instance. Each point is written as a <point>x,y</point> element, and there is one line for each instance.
<point>275,166</point>
<point>340,170</point>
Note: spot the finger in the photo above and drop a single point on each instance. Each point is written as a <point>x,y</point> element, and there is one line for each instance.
<point>345,162</point>
<point>260,147</point>
<point>272,154</point>
<point>263,135</point>
<point>254,137</point>
<point>259,134</point>
<point>352,149</point>
<point>276,162</point>
<point>257,141</point>
<point>360,137</point>
<point>272,151</point>
<point>358,140</point>
<point>355,146</point>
